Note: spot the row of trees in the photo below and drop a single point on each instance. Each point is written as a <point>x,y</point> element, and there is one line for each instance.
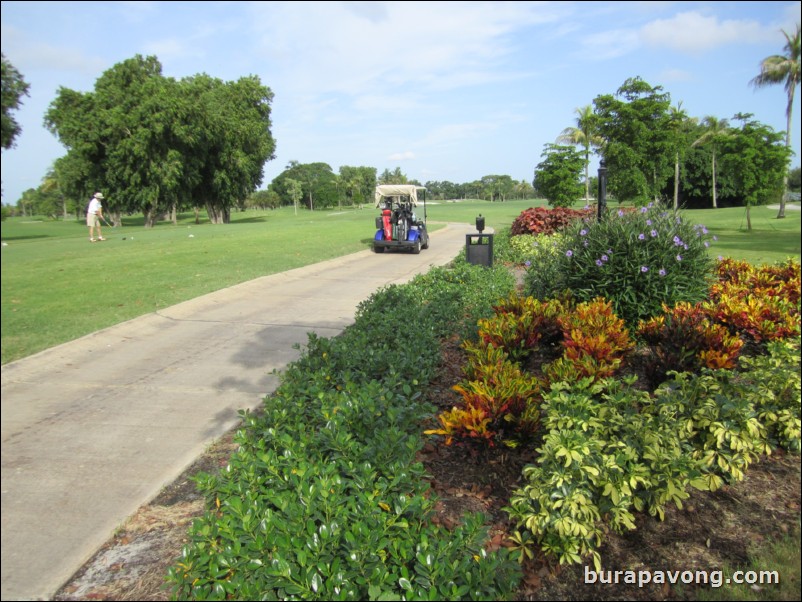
<point>654,150</point>
<point>317,186</point>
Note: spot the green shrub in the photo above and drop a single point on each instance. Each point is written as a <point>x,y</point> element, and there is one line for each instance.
<point>544,275</point>
<point>324,500</point>
<point>458,295</point>
<point>638,260</point>
<point>776,380</point>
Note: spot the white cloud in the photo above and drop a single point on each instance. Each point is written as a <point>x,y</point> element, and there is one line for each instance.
<point>405,156</point>
<point>693,32</point>
<point>394,44</point>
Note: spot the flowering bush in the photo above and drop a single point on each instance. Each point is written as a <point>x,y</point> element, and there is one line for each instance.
<point>639,261</point>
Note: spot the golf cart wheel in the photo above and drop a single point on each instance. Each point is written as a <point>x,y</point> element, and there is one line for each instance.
<point>378,249</point>
<point>416,247</point>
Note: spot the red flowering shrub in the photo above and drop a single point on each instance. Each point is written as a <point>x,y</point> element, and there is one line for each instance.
<point>540,220</point>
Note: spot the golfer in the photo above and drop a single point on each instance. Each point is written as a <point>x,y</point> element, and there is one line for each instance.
<point>94,213</point>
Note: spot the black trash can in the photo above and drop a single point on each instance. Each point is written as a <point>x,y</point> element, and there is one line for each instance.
<point>479,249</point>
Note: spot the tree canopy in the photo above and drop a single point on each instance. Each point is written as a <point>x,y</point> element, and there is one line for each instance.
<point>154,144</point>
<point>638,146</point>
<point>557,176</point>
<point>14,88</point>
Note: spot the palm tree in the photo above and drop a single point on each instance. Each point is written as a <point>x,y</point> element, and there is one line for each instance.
<point>715,130</point>
<point>782,69</point>
<point>584,134</point>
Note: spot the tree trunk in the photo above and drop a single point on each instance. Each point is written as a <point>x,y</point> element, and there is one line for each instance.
<point>789,115</point>
<point>715,205</point>
<point>676,182</point>
<point>150,217</point>
<point>748,218</point>
<point>587,176</point>
<point>213,214</point>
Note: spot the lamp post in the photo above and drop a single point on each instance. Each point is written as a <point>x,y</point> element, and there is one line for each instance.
<point>602,203</point>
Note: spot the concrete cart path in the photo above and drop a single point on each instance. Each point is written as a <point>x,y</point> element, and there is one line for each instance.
<point>93,429</point>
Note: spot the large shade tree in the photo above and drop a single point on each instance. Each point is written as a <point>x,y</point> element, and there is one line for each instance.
<point>318,183</point>
<point>783,69</point>
<point>758,160</point>
<point>154,144</point>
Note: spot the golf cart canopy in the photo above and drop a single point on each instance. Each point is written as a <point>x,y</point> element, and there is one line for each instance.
<point>388,190</point>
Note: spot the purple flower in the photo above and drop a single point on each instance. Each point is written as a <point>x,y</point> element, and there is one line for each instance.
<point>643,210</point>
<point>677,240</point>
<point>583,232</point>
<point>648,222</point>
<point>644,269</point>
<point>641,236</point>
<point>599,262</point>
<point>662,272</point>
<point>604,258</point>
<point>527,263</point>
<point>620,213</point>
<point>653,233</point>
<point>707,244</point>
<point>569,253</point>
<point>679,257</point>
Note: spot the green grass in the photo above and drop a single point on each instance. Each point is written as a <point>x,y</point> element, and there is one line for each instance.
<point>769,241</point>
<point>56,286</point>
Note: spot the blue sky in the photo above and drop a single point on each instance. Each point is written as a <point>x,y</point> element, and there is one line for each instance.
<point>443,90</point>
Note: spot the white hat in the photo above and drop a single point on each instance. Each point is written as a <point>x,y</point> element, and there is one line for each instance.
<point>98,195</point>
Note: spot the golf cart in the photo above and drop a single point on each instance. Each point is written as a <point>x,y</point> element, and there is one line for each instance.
<point>398,227</point>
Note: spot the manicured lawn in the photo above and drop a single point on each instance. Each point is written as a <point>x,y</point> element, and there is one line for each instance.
<point>56,286</point>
